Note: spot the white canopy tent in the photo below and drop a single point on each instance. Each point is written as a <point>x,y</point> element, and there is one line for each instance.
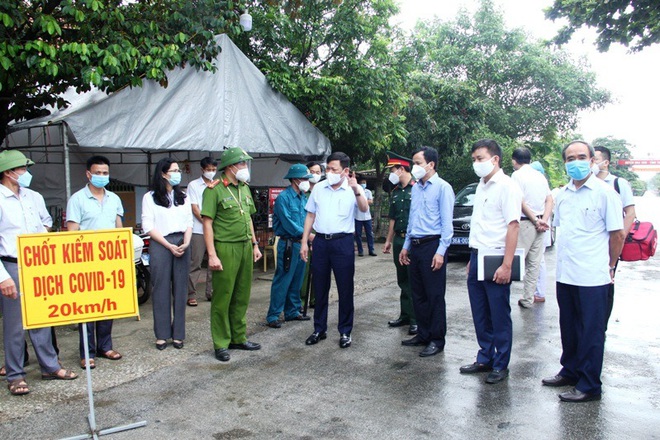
<point>198,114</point>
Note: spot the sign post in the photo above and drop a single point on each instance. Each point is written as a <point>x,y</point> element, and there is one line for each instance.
<point>78,277</point>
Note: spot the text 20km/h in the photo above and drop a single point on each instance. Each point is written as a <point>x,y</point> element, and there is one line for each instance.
<point>77,309</point>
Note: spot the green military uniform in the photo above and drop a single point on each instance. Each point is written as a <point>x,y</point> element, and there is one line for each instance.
<point>399,212</point>
<point>230,206</point>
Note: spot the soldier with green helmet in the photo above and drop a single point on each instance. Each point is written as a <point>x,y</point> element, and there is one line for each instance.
<point>399,211</point>
<point>232,250</point>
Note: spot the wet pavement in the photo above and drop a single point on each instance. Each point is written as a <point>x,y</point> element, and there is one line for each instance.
<point>374,389</point>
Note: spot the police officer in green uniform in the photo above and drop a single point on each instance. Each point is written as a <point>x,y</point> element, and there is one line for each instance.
<point>402,180</point>
<point>232,250</point>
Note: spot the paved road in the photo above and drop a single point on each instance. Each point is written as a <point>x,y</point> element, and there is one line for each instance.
<point>375,389</point>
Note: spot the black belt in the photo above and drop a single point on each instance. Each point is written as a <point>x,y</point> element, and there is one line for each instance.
<point>423,240</point>
<point>334,236</point>
<point>529,219</point>
<point>9,259</point>
<point>293,239</point>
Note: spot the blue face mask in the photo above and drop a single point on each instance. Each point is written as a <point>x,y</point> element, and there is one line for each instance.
<point>175,178</point>
<point>363,185</point>
<point>24,179</point>
<point>99,181</point>
<point>578,169</point>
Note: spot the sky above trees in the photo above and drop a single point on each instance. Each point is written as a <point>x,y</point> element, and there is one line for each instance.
<point>630,77</point>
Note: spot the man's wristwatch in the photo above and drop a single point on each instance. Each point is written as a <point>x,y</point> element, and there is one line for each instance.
<point>255,243</point>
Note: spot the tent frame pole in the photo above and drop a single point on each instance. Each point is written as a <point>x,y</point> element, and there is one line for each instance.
<point>67,164</point>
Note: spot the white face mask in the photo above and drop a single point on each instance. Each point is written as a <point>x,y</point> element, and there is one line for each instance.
<point>316,178</point>
<point>595,168</point>
<point>482,169</point>
<point>394,178</point>
<point>303,186</point>
<point>209,175</point>
<point>243,175</point>
<point>418,171</point>
<point>333,178</point>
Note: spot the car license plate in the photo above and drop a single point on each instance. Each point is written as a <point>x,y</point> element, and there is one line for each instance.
<point>145,259</point>
<point>460,240</point>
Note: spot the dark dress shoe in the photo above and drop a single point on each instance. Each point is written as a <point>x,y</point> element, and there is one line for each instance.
<point>475,368</point>
<point>222,354</point>
<point>497,376</point>
<point>162,346</point>
<point>360,255</point>
<point>345,340</point>
<point>274,324</point>
<point>398,322</point>
<point>558,381</point>
<point>177,344</point>
<point>412,330</point>
<point>314,338</point>
<point>577,396</point>
<point>300,317</point>
<point>247,345</point>
<point>373,254</point>
<point>430,350</point>
<point>415,341</point>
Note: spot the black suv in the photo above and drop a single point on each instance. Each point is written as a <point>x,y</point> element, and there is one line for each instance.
<point>462,214</point>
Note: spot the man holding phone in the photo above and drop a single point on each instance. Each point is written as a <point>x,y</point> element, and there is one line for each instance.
<point>330,212</point>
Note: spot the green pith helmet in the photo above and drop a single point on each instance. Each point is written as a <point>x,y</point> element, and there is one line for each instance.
<point>298,171</point>
<point>10,159</point>
<point>233,156</point>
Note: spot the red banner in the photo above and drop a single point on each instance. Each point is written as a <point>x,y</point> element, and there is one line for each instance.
<point>639,162</point>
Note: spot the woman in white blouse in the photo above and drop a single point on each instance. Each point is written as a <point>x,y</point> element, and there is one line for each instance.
<point>167,218</point>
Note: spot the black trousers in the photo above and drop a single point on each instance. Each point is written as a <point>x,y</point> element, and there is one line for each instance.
<point>428,293</point>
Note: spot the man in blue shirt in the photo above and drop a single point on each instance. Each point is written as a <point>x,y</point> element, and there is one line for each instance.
<point>428,236</point>
<point>588,211</point>
<point>94,207</point>
<point>288,221</point>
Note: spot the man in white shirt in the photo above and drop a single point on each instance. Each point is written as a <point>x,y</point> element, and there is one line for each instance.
<point>601,167</point>
<point>330,212</point>
<point>589,213</point>
<point>363,220</point>
<point>494,224</point>
<point>536,211</point>
<point>209,167</point>
<point>20,210</point>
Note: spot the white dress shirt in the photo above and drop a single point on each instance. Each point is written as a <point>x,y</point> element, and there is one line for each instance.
<point>364,216</point>
<point>165,220</point>
<point>334,208</point>
<point>586,216</point>
<point>496,204</point>
<point>22,214</point>
<point>625,191</point>
<point>195,191</point>
<point>534,187</point>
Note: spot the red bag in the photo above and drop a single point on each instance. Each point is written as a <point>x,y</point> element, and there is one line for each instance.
<point>640,243</point>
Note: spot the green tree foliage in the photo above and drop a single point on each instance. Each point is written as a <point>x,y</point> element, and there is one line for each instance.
<point>654,184</point>
<point>332,59</point>
<point>633,23</point>
<point>529,91</point>
<point>47,46</point>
